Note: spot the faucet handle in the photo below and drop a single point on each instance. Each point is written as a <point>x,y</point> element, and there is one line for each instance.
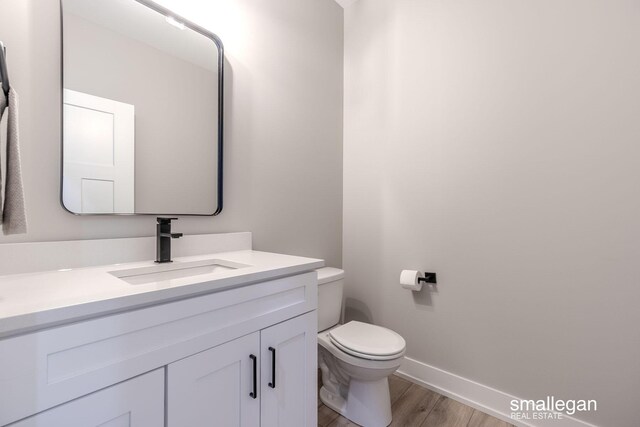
<point>165,221</point>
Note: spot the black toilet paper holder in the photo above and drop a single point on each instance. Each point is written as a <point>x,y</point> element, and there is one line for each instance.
<point>428,278</point>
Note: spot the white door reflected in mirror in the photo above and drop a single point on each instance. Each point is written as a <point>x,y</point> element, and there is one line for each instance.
<point>99,154</point>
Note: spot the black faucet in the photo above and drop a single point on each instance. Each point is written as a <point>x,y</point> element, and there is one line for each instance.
<point>163,239</point>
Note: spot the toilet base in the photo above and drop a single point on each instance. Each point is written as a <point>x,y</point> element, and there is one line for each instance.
<point>368,402</point>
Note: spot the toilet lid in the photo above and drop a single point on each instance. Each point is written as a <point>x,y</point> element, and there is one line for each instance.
<point>365,356</point>
<point>367,341</point>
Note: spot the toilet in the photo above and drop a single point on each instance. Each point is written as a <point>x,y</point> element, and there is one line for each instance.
<point>356,358</point>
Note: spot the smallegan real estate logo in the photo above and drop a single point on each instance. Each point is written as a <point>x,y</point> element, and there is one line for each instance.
<point>549,408</point>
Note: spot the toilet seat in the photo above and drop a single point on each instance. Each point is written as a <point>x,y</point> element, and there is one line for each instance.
<point>367,341</point>
<point>365,356</point>
<point>360,362</point>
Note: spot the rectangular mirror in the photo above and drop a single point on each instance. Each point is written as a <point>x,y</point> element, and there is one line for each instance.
<point>142,111</point>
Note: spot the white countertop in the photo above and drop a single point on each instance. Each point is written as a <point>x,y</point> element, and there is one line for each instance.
<point>34,301</point>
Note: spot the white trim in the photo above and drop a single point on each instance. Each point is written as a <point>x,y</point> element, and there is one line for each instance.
<point>486,399</point>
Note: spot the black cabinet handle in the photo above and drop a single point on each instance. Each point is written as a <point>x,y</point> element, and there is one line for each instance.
<point>254,393</point>
<point>272,384</point>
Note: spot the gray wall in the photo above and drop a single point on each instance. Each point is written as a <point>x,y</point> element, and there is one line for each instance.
<point>497,143</point>
<point>176,132</point>
<point>283,159</point>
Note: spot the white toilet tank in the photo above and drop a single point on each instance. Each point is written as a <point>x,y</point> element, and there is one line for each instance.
<point>330,284</point>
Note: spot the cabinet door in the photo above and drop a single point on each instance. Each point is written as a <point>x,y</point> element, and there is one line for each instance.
<point>214,388</point>
<point>289,353</point>
<point>138,402</point>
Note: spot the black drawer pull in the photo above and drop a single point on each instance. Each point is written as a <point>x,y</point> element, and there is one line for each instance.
<point>254,393</point>
<point>272,384</point>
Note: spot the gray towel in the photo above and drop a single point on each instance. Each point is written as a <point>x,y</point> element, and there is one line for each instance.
<point>3,106</point>
<point>14,219</point>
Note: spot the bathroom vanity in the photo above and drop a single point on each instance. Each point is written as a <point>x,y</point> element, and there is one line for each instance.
<point>94,333</point>
<point>227,338</point>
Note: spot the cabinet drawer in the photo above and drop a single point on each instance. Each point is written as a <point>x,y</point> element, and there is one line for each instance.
<point>50,367</point>
<point>138,402</point>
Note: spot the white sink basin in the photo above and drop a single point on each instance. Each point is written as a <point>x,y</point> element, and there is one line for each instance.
<point>175,270</point>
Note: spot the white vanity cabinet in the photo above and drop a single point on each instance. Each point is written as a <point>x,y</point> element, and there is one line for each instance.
<point>213,387</point>
<point>290,400</point>
<point>187,358</point>
<point>263,379</point>
<point>136,402</point>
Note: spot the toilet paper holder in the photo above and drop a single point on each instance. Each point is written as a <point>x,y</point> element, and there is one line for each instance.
<point>428,278</point>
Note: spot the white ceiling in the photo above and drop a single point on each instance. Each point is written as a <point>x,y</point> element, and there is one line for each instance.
<point>346,3</point>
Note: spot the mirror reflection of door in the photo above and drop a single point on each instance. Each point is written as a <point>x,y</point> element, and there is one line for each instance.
<point>99,150</point>
<point>122,53</point>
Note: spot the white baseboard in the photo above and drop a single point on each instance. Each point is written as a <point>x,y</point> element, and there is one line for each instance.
<point>479,396</point>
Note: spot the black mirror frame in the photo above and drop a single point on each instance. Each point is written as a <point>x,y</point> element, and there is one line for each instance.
<point>195,27</point>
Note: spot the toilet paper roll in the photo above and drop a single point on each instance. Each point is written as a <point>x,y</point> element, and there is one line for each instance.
<point>409,280</point>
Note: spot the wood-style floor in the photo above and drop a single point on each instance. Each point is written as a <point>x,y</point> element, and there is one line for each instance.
<point>413,405</point>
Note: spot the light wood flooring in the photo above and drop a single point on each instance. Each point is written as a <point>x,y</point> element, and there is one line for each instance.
<point>413,405</point>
